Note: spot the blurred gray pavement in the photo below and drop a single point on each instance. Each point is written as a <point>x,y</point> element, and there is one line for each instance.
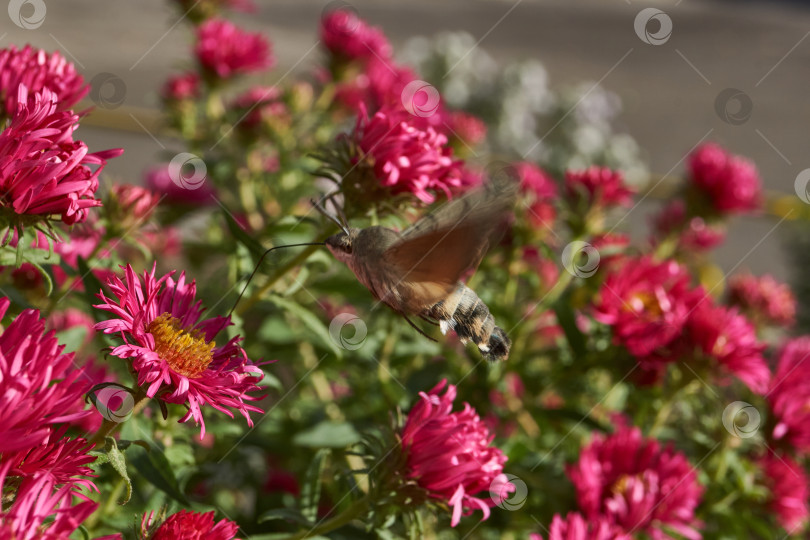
<point>668,90</point>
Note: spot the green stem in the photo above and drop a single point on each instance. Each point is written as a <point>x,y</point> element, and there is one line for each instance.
<point>357,509</point>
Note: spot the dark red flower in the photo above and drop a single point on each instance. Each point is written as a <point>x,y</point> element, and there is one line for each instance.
<point>731,183</point>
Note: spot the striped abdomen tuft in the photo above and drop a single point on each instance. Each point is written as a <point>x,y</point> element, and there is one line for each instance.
<point>465,313</point>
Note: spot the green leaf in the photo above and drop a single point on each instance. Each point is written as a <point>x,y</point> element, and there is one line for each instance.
<point>113,455</point>
<point>253,245</point>
<point>91,286</point>
<point>311,490</point>
<point>8,256</point>
<point>310,320</point>
<point>328,434</point>
<point>567,320</point>
<point>155,468</point>
<point>72,338</point>
<point>287,514</point>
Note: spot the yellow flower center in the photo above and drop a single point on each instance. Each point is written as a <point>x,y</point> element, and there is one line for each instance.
<point>187,353</point>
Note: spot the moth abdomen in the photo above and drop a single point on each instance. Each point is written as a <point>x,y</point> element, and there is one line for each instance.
<point>465,313</point>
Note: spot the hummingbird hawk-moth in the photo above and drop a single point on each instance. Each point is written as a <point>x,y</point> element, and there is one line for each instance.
<point>418,271</point>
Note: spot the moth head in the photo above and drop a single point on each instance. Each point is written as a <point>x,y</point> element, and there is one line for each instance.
<point>341,244</point>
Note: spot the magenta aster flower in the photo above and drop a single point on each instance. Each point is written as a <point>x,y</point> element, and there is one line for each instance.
<point>226,50</point>
<point>789,395</point>
<point>38,70</point>
<point>599,186</point>
<point>541,190</point>
<point>694,233</point>
<point>470,129</point>
<point>38,385</point>
<point>261,103</point>
<point>636,483</point>
<point>349,37</point>
<point>41,510</point>
<point>187,525</point>
<point>647,303</point>
<point>725,336</point>
<point>449,454</point>
<point>172,348</point>
<point>405,158</point>
<point>575,527</point>
<point>789,488</point>
<point>763,298</point>
<point>43,171</point>
<point>731,183</point>
<point>159,180</point>
<point>181,87</point>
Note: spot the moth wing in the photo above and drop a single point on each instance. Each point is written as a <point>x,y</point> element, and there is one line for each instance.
<point>433,254</point>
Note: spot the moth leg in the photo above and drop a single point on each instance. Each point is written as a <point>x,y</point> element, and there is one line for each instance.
<point>428,320</point>
<point>418,329</point>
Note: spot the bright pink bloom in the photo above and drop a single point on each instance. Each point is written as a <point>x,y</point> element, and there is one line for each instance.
<point>470,129</point>
<point>694,233</point>
<point>449,454</point>
<point>637,484</point>
<point>349,37</point>
<point>173,351</point>
<point>789,395</point>
<point>380,85</point>
<point>789,488</point>
<point>159,180</point>
<point>728,338</point>
<point>41,510</point>
<point>575,527</point>
<point>226,50</point>
<point>43,171</point>
<point>730,182</point>
<point>763,298</point>
<point>599,186</point>
<point>38,70</point>
<point>62,459</point>
<point>405,158</point>
<point>647,303</point>
<point>183,86</point>
<point>541,189</point>
<point>134,204</point>
<point>38,385</point>
<point>187,525</point>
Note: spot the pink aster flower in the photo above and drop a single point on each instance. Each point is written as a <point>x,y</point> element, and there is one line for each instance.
<point>731,183</point>
<point>763,298</point>
<point>541,190</point>
<point>38,385</point>
<point>640,486</point>
<point>647,303</point>
<point>261,103</point>
<point>182,87</point>
<point>159,180</point>
<point>132,205</point>
<point>187,525</point>
<point>789,395</point>
<point>172,349</point>
<point>789,489</point>
<point>43,171</point>
<point>470,129</point>
<point>575,527</point>
<point>725,336</point>
<point>599,186</point>
<point>38,70</point>
<point>349,37</point>
<point>41,510</point>
<point>226,50</point>
<point>694,233</point>
<point>449,454</point>
<point>405,158</point>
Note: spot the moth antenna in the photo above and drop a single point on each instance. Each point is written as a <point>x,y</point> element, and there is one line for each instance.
<point>259,263</point>
<point>329,216</point>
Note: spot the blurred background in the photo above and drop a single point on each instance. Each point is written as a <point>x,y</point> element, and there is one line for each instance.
<point>731,72</point>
